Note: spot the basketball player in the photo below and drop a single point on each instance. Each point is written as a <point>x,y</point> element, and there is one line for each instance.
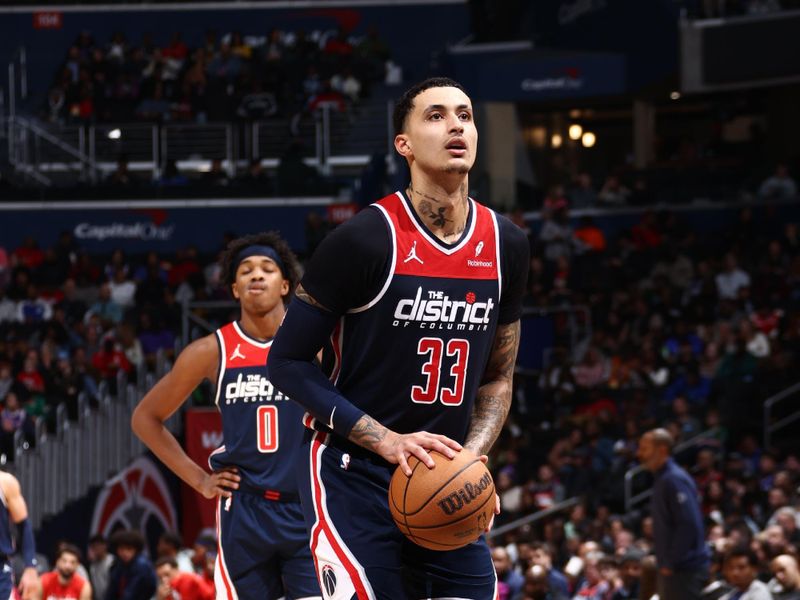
<point>263,543</point>
<point>420,295</point>
<point>14,510</point>
<point>64,583</point>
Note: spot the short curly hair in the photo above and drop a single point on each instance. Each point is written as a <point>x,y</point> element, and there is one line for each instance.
<point>291,266</point>
<point>405,104</point>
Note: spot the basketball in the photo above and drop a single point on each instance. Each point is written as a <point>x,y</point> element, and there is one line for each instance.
<point>446,507</point>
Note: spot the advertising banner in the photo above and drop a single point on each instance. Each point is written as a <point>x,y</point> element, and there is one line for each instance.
<point>203,435</point>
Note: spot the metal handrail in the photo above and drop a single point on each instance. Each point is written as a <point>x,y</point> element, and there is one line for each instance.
<point>533,517</point>
<point>770,428</point>
<point>630,500</point>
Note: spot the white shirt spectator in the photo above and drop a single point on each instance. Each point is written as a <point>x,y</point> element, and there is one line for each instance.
<point>780,185</point>
<point>123,292</point>
<point>8,310</point>
<point>731,279</point>
<point>756,591</point>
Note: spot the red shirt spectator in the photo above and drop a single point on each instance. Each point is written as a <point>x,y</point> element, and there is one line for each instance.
<point>53,589</point>
<point>110,360</point>
<point>29,255</point>
<point>177,585</point>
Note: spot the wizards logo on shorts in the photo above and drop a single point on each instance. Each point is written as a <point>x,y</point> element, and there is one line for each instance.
<point>328,578</point>
<point>137,498</point>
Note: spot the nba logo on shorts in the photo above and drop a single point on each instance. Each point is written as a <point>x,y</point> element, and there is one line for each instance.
<point>329,580</point>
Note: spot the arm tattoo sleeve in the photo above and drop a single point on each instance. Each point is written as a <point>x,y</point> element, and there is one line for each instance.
<point>367,433</point>
<point>494,396</point>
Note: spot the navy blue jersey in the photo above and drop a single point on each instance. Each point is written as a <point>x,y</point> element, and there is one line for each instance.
<point>6,541</point>
<point>261,428</point>
<point>412,349</point>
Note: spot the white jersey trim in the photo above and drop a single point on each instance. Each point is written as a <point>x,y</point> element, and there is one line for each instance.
<point>390,276</point>
<point>249,339</point>
<point>497,254</point>
<point>223,364</point>
<point>433,241</point>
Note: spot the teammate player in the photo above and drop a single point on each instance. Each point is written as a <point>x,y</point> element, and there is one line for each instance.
<point>263,542</point>
<point>14,510</point>
<point>63,582</point>
<point>420,295</point>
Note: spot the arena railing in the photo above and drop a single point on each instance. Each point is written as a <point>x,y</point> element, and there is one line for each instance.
<point>632,500</point>
<point>534,517</point>
<point>62,466</point>
<point>770,404</point>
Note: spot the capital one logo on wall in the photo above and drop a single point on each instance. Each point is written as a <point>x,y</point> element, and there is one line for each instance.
<point>134,498</point>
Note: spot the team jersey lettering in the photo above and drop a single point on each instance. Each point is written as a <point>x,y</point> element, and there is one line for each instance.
<point>436,309</point>
<point>251,388</point>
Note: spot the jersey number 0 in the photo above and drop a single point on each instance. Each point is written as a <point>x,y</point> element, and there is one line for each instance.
<point>433,390</point>
<point>267,428</point>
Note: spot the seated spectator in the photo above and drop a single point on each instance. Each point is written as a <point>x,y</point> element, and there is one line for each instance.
<point>509,581</point>
<point>180,585</point>
<point>582,194</point>
<point>542,556</point>
<point>785,583</point>
<point>590,235</point>
<point>8,308</point>
<point>256,178</point>
<point>740,568</point>
<point>732,279</point>
<point>154,107</point>
<point>121,176</point>
<point>556,235</point>
<point>132,575</point>
<point>171,176</point>
<point>154,337</point>
<point>108,311</point>
<point>594,586</point>
<point>110,360</point>
<point>34,308</point>
<point>170,546</point>
<point>539,587</point>
<point>216,175</point>
<point>100,563</point>
<point>122,289</point>
<point>346,84</point>
<point>778,186</point>
<point>613,193</point>
<point>64,582</point>
<point>627,587</point>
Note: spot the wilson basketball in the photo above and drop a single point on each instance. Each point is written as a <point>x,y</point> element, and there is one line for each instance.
<point>443,508</point>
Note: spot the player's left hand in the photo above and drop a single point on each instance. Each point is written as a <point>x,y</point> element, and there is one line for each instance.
<point>484,460</point>
<point>29,586</point>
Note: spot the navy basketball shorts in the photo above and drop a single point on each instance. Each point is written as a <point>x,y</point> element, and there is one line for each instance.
<point>6,582</point>
<point>263,551</point>
<point>359,554</point>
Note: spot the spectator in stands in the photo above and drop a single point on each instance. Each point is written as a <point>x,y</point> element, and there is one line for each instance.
<point>779,185</point>
<point>12,419</point>
<point>732,279</point>
<point>132,575</point>
<point>613,193</point>
<point>785,583</point>
<point>539,587</point>
<point>155,107</point>
<point>510,582</point>
<point>63,582</point>
<point>347,85</point>
<point>121,176</point>
<point>556,235</point>
<point>740,568</point>
<point>171,176</point>
<point>108,311</point>
<point>170,546</point>
<point>100,562</point>
<point>110,360</point>
<point>121,288</point>
<point>33,308</point>
<point>541,555</point>
<point>627,588</point>
<point>255,180</point>
<point>174,584</point>
<point>6,379</point>
<point>582,194</point>
<point>216,175</point>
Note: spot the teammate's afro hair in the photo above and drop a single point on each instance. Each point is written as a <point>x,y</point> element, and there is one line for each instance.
<point>269,238</point>
<point>405,104</point>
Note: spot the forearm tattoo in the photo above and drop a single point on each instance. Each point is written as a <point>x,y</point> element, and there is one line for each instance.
<point>494,397</point>
<point>303,295</point>
<point>367,433</point>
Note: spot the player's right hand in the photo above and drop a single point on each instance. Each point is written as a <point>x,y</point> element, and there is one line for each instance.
<point>396,448</point>
<point>220,483</point>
